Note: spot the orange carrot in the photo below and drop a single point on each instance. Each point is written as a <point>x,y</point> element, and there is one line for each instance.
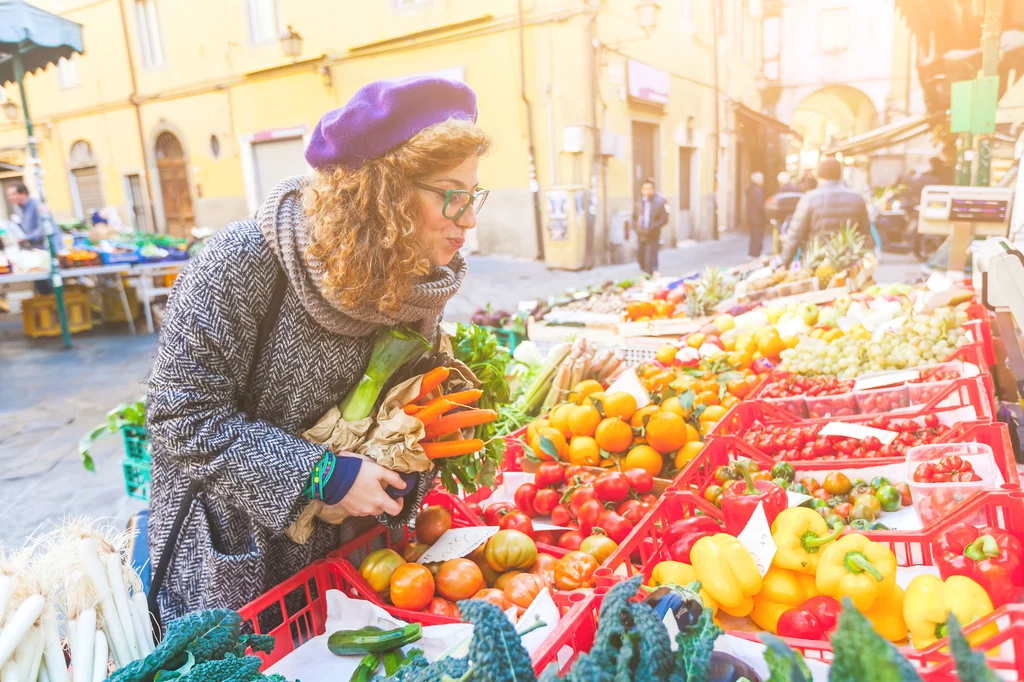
<point>413,408</point>
<point>459,420</point>
<point>430,381</point>
<point>451,448</point>
<point>428,415</point>
<point>463,398</point>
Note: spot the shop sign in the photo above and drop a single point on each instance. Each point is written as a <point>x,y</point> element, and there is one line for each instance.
<point>647,84</point>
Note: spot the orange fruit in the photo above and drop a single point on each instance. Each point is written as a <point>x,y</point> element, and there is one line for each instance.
<point>729,400</point>
<point>637,419</point>
<point>583,420</point>
<point>583,389</point>
<point>556,438</point>
<point>584,451</point>
<point>692,434</point>
<point>644,457</point>
<point>708,398</point>
<point>666,432</point>
<point>594,399</point>
<point>712,413</point>
<point>614,435</point>
<point>687,453</point>
<point>619,404</point>
<point>559,418</point>
<point>666,355</point>
<point>770,345</point>
<point>533,427</point>
<point>672,405</point>
<point>738,388</point>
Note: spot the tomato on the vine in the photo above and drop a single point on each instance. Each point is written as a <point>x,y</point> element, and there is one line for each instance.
<point>588,515</point>
<point>517,521</point>
<point>549,474</point>
<point>611,486</point>
<point>570,540</point>
<point>640,480</point>
<point>632,510</point>
<point>614,526</point>
<point>580,496</point>
<point>560,515</point>
<point>493,513</point>
<point>524,497</point>
<point>546,500</point>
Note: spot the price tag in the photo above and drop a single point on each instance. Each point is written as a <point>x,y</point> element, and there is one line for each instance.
<point>630,383</point>
<point>757,538</point>
<point>858,431</point>
<point>888,379</point>
<point>457,543</point>
<point>542,525</point>
<point>796,499</point>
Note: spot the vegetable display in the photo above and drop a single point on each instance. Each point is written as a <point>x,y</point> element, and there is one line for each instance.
<point>991,557</point>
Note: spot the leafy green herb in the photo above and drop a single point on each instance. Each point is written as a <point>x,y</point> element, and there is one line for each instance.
<point>784,664</point>
<point>863,654</point>
<point>970,665</point>
<point>126,414</point>
<point>694,648</point>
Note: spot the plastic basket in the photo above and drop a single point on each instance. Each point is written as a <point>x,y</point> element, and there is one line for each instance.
<point>136,442</point>
<point>136,478</point>
<point>119,258</point>
<point>644,549</point>
<point>509,338</point>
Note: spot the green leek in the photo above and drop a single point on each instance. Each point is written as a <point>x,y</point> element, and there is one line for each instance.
<point>391,349</point>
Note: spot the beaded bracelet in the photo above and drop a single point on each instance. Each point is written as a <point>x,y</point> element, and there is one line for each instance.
<point>320,475</point>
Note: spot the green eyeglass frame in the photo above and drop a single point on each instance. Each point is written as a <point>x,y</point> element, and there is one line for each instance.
<point>458,199</point>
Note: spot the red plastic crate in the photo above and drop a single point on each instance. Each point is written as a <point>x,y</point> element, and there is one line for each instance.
<point>1003,509</point>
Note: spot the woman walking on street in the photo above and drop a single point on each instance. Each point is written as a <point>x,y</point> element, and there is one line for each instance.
<point>273,323</point>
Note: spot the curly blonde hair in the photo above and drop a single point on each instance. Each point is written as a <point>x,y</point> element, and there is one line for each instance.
<point>363,220</point>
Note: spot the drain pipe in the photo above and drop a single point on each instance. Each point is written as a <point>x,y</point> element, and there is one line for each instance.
<point>534,184</point>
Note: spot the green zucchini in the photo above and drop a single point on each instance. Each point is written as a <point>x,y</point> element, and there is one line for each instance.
<point>373,640</point>
<point>367,668</point>
<point>392,660</point>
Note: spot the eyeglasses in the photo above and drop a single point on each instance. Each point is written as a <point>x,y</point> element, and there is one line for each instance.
<point>456,201</point>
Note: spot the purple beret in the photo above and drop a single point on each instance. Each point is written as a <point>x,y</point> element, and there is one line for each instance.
<point>383,115</point>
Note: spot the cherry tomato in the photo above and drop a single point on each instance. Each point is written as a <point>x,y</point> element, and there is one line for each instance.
<point>412,587</point>
<point>575,570</point>
<point>432,523</point>
<point>560,515</point>
<point>493,513</point>
<point>545,501</point>
<point>580,496</point>
<point>640,480</point>
<point>611,486</point>
<point>931,420</point>
<point>495,596</point>
<point>549,474</point>
<point>589,514</point>
<point>598,546</point>
<point>632,510</point>
<point>377,568</point>
<point>510,549</point>
<point>614,526</point>
<point>459,579</point>
<point>524,497</point>
<point>871,444</point>
<point>570,540</point>
<point>443,607</point>
<point>517,521</point>
<point>522,589</point>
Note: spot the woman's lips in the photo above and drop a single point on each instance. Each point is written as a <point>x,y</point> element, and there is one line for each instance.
<point>457,242</point>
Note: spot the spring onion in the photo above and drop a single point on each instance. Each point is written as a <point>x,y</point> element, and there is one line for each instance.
<point>83,645</point>
<point>18,624</point>
<point>115,573</point>
<point>100,659</point>
<point>53,653</point>
<point>140,619</point>
<point>88,553</point>
<point>391,349</point>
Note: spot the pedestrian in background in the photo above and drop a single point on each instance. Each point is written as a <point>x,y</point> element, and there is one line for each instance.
<point>31,224</point>
<point>649,215</point>
<point>807,181</point>
<point>755,213</point>
<point>786,183</point>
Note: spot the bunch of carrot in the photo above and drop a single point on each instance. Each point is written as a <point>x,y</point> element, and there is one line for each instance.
<point>445,415</point>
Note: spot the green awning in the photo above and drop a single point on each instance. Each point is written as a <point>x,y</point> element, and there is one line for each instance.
<point>41,38</point>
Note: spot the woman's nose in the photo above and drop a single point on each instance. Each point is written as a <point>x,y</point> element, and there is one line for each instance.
<point>468,219</point>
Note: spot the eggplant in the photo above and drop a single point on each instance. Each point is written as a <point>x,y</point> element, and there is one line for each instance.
<point>727,668</point>
<point>684,604</point>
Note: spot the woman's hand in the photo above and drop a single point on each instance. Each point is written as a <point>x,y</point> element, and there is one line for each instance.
<point>368,495</point>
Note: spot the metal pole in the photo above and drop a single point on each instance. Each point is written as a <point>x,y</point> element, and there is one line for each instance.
<point>44,215</point>
<point>716,132</point>
<point>534,184</point>
<point>989,67</point>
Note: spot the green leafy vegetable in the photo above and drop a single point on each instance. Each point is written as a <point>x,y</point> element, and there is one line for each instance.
<point>126,414</point>
<point>694,648</point>
<point>970,665</point>
<point>863,654</point>
<point>392,348</point>
<point>784,664</point>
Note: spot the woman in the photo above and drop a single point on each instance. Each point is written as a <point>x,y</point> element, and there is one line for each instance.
<point>371,239</point>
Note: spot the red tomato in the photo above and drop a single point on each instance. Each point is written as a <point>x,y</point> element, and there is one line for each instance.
<point>544,537</point>
<point>579,497</point>
<point>640,480</point>
<point>432,523</point>
<point>560,516</point>
<point>575,570</point>
<point>825,609</point>
<point>459,579</point>
<point>648,499</point>
<point>544,566</point>
<point>931,420</point>
<point>493,514</point>
<point>412,587</point>
<point>442,607</point>
<point>517,521</point>
<point>524,497</point>
<point>905,499</point>
<point>549,474</point>
<point>614,526</point>
<point>522,589</point>
<point>589,514</point>
<point>496,597</point>
<point>570,540</point>
<point>611,486</point>
<point>546,501</point>
<point>572,471</point>
<point>632,510</point>
<point>598,546</point>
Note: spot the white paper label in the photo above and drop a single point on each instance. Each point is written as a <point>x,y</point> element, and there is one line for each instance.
<point>542,525</point>
<point>796,499</point>
<point>757,538</point>
<point>458,542</point>
<point>971,370</point>
<point>889,379</point>
<point>938,283</point>
<point>858,431</point>
<point>542,610</point>
<point>630,383</point>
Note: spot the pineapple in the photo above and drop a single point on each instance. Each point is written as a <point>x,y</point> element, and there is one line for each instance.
<point>699,301</point>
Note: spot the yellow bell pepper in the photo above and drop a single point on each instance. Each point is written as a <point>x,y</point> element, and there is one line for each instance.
<point>800,534</point>
<point>853,566</point>
<point>781,590</point>
<point>929,601</point>
<point>728,572</point>
<point>678,573</point>
<point>887,616</point>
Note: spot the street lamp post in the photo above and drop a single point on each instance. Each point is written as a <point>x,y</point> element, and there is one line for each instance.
<point>291,43</point>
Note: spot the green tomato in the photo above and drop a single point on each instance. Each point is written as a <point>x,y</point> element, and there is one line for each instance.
<point>816,504</point>
<point>833,519</point>
<point>871,502</point>
<point>835,501</point>
<point>798,488</point>
<point>860,524</point>
<point>861,512</point>
<point>857,481</point>
<point>878,481</point>
<point>781,482</point>
<point>825,512</point>
<point>783,470</point>
<point>889,498</point>
<point>877,525</point>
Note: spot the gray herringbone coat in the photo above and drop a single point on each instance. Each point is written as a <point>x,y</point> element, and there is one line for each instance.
<point>232,547</point>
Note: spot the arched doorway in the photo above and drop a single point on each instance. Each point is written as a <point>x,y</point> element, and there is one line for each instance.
<point>173,170</point>
<point>86,187</point>
<point>834,113</point>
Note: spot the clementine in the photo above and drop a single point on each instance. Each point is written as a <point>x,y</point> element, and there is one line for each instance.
<point>666,432</point>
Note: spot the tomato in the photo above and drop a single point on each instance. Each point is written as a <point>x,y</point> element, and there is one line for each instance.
<point>432,523</point>
<point>931,420</point>
<point>640,480</point>
<point>546,500</point>
<point>493,513</point>
<point>544,537</point>
<point>589,514</point>
<point>611,486</point>
<point>496,597</point>
<point>579,497</point>
<point>632,510</point>
<point>844,509</point>
<point>378,567</point>
<point>523,589</point>
<point>490,575</point>
<point>474,508</point>
<point>413,551</point>
<point>648,499</point>
<point>545,566</point>
<point>713,494</point>
<point>614,526</point>
<point>442,607</point>
<point>503,579</point>
<point>837,483</point>
<point>575,570</point>
<point>524,497</point>
<point>810,483</point>
<point>560,516</point>
<point>570,540</point>
<point>412,587</point>
<point>549,474</point>
<point>517,521</point>
<point>510,549</point>
<point>904,490</point>
<point>889,498</point>
<point>871,444</point>
<point>871,502</point>
<point>459,579</point>
<point>599,546</point>
<point>574,470</point>
<point>862,512</point>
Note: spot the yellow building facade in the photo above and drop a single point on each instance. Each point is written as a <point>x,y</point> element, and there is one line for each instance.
<point>186,113</point>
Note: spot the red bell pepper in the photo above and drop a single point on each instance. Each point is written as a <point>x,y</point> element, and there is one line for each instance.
<point>949,469</point>
<point>991,557</point>
<point>681,535</point>
<point>741,498</point>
